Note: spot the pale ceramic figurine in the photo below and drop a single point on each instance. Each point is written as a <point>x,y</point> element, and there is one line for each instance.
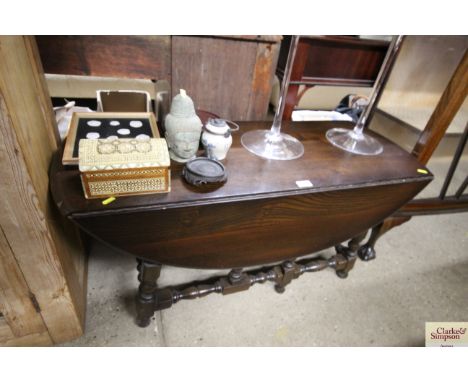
<point>217,136</point>
<point>183,128</point>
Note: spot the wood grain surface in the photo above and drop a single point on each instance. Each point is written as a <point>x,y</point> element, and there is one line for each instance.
<point>5,331</point>
<point>213,80</point>
<point>146,57</point>
<point>330,60</point>
<point>231,76</point>
<point>262,81</point>
<point>260,215</point>
<point>52,266</point>
<point>252,177</point>
<point>336,59</point>
<point>450,102</point>
<point>251,232</point>
<point>36,339</point>
<point>15,296</point>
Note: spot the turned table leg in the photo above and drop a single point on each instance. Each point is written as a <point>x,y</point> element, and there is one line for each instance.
<point>148,274</point>
<point>348,254</point>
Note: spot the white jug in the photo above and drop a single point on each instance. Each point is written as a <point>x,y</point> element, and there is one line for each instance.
<point>216,137</point>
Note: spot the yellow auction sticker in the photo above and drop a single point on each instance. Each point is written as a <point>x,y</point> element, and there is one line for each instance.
<point>108,200</point>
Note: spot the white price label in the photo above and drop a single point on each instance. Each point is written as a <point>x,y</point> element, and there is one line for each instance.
<point>304,183</point>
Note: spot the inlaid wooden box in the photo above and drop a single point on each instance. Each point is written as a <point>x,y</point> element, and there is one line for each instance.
<point>104,125</point>
<point>119,167</point>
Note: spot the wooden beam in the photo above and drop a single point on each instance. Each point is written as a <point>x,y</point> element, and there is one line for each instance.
<point>51,262</point>
<point>36,339</point>
<point>433,206</point>
<point>16,304</point>
<point>6,333</point>
<point>450,102</point>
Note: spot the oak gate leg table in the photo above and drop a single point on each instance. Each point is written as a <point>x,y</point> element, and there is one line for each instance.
<point>262,215</point>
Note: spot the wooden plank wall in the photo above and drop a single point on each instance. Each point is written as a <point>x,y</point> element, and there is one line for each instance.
<point>42,265</point>
<point>107,56</point>
<point>230,77</point>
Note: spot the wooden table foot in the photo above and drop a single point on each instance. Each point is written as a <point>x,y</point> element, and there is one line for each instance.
<point>346,256</point>
<point>367,251</point>
<point>148,274</point>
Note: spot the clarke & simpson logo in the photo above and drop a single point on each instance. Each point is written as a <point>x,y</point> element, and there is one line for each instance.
<point>446,334</point>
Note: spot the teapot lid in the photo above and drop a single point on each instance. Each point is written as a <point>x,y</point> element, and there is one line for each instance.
<point>217,126</point>
<point>217,122</point>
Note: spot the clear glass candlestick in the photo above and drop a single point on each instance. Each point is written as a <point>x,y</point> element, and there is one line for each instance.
<point>355,141</point>
<point>273,144</point>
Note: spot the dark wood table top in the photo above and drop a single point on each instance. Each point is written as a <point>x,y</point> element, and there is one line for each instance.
<point>250,177</point>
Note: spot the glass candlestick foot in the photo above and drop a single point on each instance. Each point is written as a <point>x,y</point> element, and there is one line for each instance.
<point>354,142</point>
<point>270,145</point>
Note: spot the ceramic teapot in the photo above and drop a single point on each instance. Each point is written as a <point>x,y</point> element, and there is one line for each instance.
<point>183,128</point>
<point>217,137</point>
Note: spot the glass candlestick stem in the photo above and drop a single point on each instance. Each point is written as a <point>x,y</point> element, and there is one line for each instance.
<point>273,144</point>
<point>355,141</point>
